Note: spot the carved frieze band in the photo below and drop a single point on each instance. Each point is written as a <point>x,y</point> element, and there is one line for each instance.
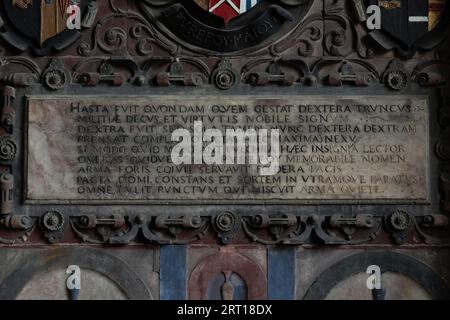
<point>399,227</point>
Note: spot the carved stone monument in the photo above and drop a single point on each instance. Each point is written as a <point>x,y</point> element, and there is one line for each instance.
<point>126,132</point>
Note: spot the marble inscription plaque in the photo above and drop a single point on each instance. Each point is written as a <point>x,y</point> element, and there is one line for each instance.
<point>117,149</point>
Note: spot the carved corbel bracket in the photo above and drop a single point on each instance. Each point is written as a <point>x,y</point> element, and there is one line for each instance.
<point>105,74</point>
<point>273,75</point>
<point>177,74</point>
<point>346,74</point>
<point>118,229</point>
<point>350,224</point>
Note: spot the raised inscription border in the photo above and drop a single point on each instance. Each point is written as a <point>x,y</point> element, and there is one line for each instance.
<point>229,202</point>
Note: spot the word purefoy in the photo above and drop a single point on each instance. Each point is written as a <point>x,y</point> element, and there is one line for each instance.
<point>230,148</point>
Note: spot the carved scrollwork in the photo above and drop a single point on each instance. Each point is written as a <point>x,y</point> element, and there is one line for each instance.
<point>105,227</point>
<point>287,229</point>
<point>28,75</point>
<point>8,148</point>
<point>144,46</point>
<point>305,38</point>
<point>117,229</point>
<point>431,73</point>
<point>426,227</point>
<point>109,39</point>
<point>339,41</point>
<point>147,37</point>
<point>114,39</point>
<point>19,228</point>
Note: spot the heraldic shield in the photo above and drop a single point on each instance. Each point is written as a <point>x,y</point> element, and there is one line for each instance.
<point>227,9</point>
<point>39,20</point>
<point>409,21</point>
<point>226,25</point>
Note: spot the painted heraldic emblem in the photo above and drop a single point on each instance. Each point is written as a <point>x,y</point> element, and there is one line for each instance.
<point>227,9</point>
<point>40,24</point>
<point>39,19</point>
<point>409,21</point>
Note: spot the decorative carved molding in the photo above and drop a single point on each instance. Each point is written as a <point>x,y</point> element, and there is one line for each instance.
<point>287,229</point>
<point>121,47</point>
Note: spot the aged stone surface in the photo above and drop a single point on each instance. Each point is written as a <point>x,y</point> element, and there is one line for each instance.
<point>341,274</point>
<point>400,288</point>
<point>119,148</point>
<point>39,273</point>
<point>51,285</point>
